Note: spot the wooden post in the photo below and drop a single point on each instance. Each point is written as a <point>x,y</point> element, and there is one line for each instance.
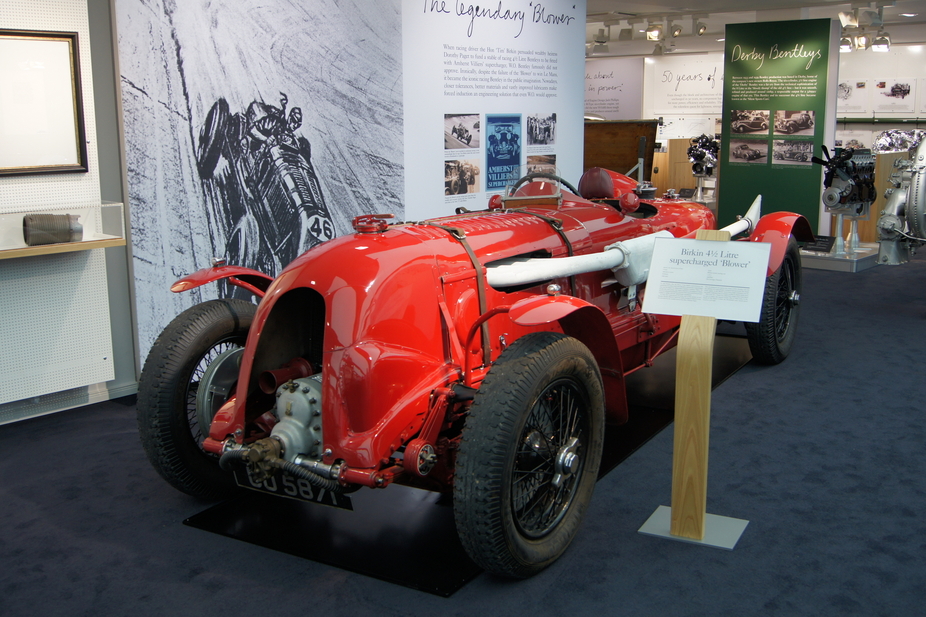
<point>693,418</point>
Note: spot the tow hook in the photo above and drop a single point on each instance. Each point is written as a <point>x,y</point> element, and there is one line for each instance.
<point>258,456</point>
<point>265,456</point>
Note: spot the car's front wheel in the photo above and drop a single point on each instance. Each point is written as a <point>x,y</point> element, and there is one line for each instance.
<point>189,373</point>
<point>529,457</point>
<point>771,339</point>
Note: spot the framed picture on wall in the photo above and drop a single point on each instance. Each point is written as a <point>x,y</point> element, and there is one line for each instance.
<point>41,115</point>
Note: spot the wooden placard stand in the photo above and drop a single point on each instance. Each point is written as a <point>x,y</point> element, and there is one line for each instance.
<point>687,519</point>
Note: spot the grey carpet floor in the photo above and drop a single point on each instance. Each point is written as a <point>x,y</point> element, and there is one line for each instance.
<point>824,455</point>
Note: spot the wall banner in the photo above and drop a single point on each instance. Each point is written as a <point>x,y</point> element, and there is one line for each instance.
<point>253,133</point>
<point>777,114</point>
<point>489,91</point>
<point>614,88</point>
<point>687,84</point>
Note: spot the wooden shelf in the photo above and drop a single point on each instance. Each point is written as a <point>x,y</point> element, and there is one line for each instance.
<point>65,247</point>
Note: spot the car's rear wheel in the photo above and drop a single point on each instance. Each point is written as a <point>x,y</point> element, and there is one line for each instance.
<point>771,339</point>
<point>529,457</point>
<point>192,358</point>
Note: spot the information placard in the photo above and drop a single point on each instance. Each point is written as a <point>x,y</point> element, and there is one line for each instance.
<point>725,280</point>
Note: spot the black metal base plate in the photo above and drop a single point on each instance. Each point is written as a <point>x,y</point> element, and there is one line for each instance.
<point>407,536</point>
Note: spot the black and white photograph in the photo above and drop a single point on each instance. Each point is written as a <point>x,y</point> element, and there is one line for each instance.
<point>749,121</point>
<point>541,129</point>
<point>461,131</point>
<point>748,151</point>
<point>542,163</point>
<point>792,152</point>
<point>252,135</point>
<point>800,123</point>
<point>461,177</point>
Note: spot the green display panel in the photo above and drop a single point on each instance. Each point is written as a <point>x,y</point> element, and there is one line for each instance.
<point>774,104</point>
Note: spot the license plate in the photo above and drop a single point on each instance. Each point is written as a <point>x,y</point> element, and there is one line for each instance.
<point>284,485</point>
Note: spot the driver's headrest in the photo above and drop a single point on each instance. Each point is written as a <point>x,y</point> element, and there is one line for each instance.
<point>596,183</point>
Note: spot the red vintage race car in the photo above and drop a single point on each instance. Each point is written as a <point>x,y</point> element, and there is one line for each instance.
<point>479,355</point>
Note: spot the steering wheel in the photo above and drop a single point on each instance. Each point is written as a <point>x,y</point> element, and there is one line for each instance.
<point>540,174</point>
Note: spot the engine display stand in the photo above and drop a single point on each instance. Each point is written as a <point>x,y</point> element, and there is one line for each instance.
<point>864,257</point>
<point>407,536</point>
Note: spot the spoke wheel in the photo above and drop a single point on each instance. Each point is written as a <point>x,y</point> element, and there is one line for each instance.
<point>549,458</point>
<point>771,339</point>
<point>529,456</point>
<point>189,373</point>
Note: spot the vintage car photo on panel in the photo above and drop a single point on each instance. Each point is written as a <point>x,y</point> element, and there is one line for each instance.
<point>748,151</point>
<point>792,151</point>
<point>461,131</point>
<point>794,122</point>
<point>541,163</point>
<point>461,177</point>
<point>541,129</point>
<point>749,121</point>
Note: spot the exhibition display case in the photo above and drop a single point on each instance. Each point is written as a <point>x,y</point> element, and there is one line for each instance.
<point>88,227</point>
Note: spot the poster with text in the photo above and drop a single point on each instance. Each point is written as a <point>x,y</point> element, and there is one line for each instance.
<point>854,139</point>
<point>685,127</point>
<point>853,96</point>
<point>688,84</point>
<point>894,95</point>
<point>503,150</point>
<point>486,86</point>
<point>777,112</point>
<point>614,88</point>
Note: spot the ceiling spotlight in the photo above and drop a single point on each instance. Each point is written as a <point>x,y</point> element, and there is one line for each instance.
<point>700,28</point>
<point>862,41</point>
<point>654,32</point>
<point>870,16</point>
<point>625,34</point>
<point>675,30</point>
<point>882,42</point>
<point>845,44</point>
<point>658,50</point>
<point>848,19</point>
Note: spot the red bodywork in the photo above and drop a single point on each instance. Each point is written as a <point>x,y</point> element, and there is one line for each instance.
<point>393,319</point>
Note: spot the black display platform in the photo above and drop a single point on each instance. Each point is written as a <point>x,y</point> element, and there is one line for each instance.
<point>407,536</point>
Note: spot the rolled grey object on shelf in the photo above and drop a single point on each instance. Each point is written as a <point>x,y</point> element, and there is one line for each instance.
<point>51,228</point>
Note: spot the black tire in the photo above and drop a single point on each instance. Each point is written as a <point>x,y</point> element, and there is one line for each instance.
<point>168,425</point>
<point>514,431</point>
<point>770,339</point>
